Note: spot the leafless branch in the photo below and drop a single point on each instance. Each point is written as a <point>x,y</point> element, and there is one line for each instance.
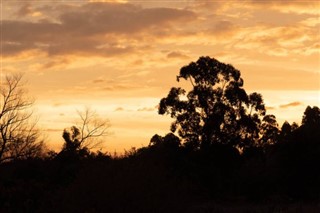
<point>88,132</point>
<point>18,134</point>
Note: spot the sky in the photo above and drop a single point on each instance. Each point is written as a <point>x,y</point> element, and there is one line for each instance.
<point>121,57</point>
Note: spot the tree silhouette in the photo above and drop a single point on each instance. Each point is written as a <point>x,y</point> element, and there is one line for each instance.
<point>87,133</point>
<point>217,110</point>
<point>19,137</point>
<point>71,138</point>
<point>298,154</point>
<point>269,130</point>
<point>309,130</point>
<point>285,134</point>
<point>311,116</point>
<point>169,141</point>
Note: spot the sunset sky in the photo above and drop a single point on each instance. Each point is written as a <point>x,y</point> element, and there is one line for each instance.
<point>121,57</point>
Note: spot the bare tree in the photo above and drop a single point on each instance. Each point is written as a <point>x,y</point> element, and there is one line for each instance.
<point>19,137</point>
<point>88,132</point>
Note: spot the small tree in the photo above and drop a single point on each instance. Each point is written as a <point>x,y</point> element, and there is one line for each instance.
<point>88,132</point>
<point>19,137</point>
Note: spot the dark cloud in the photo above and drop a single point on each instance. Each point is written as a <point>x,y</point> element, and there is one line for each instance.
<point>18,36</point>
<point>97,18</point>
<point>292,104</point>
<point>93,28</point>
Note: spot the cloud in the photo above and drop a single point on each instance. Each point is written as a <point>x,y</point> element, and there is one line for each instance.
<point>177,54</point>
<point>147,109</point>
<point>59,62</point>
<point>25,10</point>
<point>276,41</point>
<point>96,18</point>
<point>223,26</point>
<point>292,104</point>
<point>119,109</point>
<point>119,87</point>
<point>289,6</point>
<point>97,81</point>
<point>270,108</point>
<point>311,22</point>
<point>103,29</point>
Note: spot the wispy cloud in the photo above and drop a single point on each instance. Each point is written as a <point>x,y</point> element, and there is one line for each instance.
<point>177,54</point>
<point>292,6</point>
<point>270,108</point>
<point>292,104</point>
<point>147,109</point>
<point>98,81</point>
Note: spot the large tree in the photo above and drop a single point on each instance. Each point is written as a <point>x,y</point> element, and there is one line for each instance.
<point>217,109</point>
<point>19,137</point>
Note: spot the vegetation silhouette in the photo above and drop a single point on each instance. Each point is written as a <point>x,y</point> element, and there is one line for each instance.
<point>80,139</point>
<point>217,110</point>
<point>224,154</point>
<point>19,137</point>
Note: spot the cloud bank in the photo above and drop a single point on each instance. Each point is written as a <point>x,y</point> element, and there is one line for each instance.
<point>90,29</point>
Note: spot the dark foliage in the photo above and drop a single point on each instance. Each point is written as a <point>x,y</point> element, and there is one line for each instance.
<point>167,177</point>
<point>217,110</point>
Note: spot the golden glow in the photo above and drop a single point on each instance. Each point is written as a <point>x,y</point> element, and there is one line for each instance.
<point>121,57</point>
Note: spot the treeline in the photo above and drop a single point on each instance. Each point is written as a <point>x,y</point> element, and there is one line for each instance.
<point>224,154</point>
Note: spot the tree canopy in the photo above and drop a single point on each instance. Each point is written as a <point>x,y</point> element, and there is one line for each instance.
<point>217,109</point>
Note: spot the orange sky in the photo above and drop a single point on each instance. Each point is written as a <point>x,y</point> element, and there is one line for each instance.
<point>121,57</point>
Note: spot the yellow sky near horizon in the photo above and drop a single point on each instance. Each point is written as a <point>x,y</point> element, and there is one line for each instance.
<point>121,57</point>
